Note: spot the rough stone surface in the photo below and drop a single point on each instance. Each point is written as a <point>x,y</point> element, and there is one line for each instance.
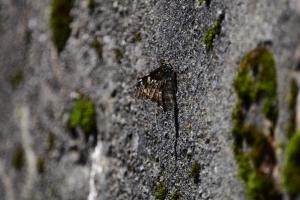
<point>135,137</point>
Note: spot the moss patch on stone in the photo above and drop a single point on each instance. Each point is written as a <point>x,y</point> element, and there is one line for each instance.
<point>59,23</point>
<point>16,78</point>
<point>292,102</point>
<point>291,166</point>
<point>97,45</point>
<point>194,171</point>
<point>160,190</point>
<point>260,187</point>
<point>18,159</point>
<point>137,37</point>
<point>255,85</point>
<point>50,141</point>
<point>91,6</point>
<point>83,115</point>
<point>175,195</point>
<point>212,32</point>
<point>40,165</point>
<point>207,2</point>
<point>256,82</point>
<point>118,55</point>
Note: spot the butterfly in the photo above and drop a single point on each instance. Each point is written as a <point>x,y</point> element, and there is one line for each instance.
<point>160,86</point>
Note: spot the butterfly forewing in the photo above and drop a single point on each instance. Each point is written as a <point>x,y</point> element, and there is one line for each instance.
<point>159,86</point>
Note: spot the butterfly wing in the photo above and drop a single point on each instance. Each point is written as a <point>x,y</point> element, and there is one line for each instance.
<point>158,86</point>
<point>150,88</point>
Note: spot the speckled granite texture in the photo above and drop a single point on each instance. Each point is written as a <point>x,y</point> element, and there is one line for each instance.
<point>135,142</point>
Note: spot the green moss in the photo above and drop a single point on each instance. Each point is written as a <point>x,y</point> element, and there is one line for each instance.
<point>207,2</point>
<point>160,191</point>
<point>292,102</point>
<point>118,55</point>
<point>18,159</point>
<point>16,78</point>
<point>28,36</point>
<point>261,150</point>
<point>50,141</point>
<point>98,46</point>
<point>255,153</point>
<point>211,33</point>
<point>40,165</point>
<point>290,127</point>
<point>200,2</point>
<point>137,37</point>
<point>175,195</point>
<point>260,187</point>
<point>291,166</point>
<point>153,158</point>
<point>60,20</point>
<point>267,85</point>
<point>256,81</point>
<point>255,84</point>
<point>194,171</point>
<point>83,115</point>
<point>244,168</point>
<point>91,6</point>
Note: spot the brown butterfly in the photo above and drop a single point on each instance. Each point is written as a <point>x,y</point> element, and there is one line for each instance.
<point>159,86</point>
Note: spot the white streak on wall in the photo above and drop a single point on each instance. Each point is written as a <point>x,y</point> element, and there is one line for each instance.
<point>23,116</point>
<point>99,163</point>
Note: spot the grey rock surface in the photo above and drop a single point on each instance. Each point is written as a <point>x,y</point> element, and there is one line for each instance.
<point>135,137</point>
